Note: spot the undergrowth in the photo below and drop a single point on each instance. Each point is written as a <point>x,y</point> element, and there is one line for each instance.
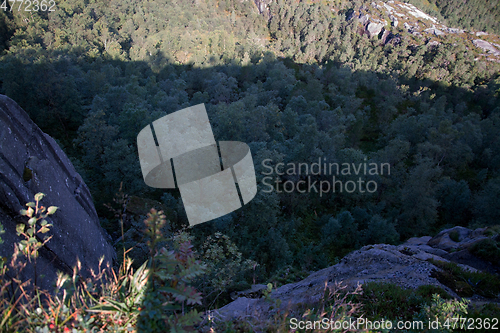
<point>157,297</point>
<point>387,300</point>
<point>160,295</point>
<point>466,283</point>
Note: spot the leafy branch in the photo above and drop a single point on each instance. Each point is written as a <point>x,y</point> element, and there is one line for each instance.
<point>31,244</point>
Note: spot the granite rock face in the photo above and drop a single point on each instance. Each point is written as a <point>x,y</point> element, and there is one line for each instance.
<point>32,162</point>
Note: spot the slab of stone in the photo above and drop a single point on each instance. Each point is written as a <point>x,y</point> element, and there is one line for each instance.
<point>418,240</point>
<point>32,162</point>
<point>486,46</point>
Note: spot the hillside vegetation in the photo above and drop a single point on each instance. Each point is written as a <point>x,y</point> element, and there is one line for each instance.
<point>479,15</point>
<point>299,82</point>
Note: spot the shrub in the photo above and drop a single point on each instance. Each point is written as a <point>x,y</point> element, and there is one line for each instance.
<point>466,283</point>
<point>337,305</point>
<point>30,245</point>
<point>428,290</point>
<point>443,311</point>
<point>225,268</point>
<point>154,298</point>
<point>488,310</point>
<point>492,231</point>
<point>168,292</point>
<point>387,300</point>
<point>488,250</point>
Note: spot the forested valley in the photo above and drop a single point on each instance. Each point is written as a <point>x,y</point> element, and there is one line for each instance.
<point>299,82</point>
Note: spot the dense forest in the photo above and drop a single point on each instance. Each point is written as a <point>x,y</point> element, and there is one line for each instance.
<point>478,15</point>
<point>299,84</point>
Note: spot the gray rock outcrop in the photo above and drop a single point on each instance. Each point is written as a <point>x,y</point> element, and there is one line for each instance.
<point>374,28</point>
<point>364,19</point>
<point>407,265</point>
<point>394,21</point>
<point>485,46</point>
<point>389,38</point>
<point>434,31</point>
<point>455,31</point>
<point>455,238</point>
<point>408,27</point>
<point>256,291</point>
<point>403,265</point>
<point>433,43</point>
<point>263,7</point>
<point>32,162</point>
<point>421,27</point>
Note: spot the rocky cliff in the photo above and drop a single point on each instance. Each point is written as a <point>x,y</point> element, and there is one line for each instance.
<point>409,265</point>
<point>388,20</point>
<point>32,162</point>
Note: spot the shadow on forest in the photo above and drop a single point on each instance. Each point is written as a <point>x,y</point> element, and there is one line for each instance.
<point>287,112</point>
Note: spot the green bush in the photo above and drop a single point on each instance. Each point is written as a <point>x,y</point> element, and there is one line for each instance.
<point>386,300</point>
<point>492,231</point>
<point>466,283</point>
<point>488,250</point>
<point>428,290</point>
<point>443,311</point>
<point>226,269</point>
<point>390,301</point>
<point>157,297</point>
<point>488,310</point>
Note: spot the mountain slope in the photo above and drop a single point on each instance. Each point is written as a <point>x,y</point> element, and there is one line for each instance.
<point>418,263</point>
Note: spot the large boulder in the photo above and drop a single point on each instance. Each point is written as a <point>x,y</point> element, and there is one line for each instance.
<point>374,28</point>
<point>456,238</point>
<point>394,21</point>
<point>32,162</point>
<point>364,19</point>
<point>434,31</point>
